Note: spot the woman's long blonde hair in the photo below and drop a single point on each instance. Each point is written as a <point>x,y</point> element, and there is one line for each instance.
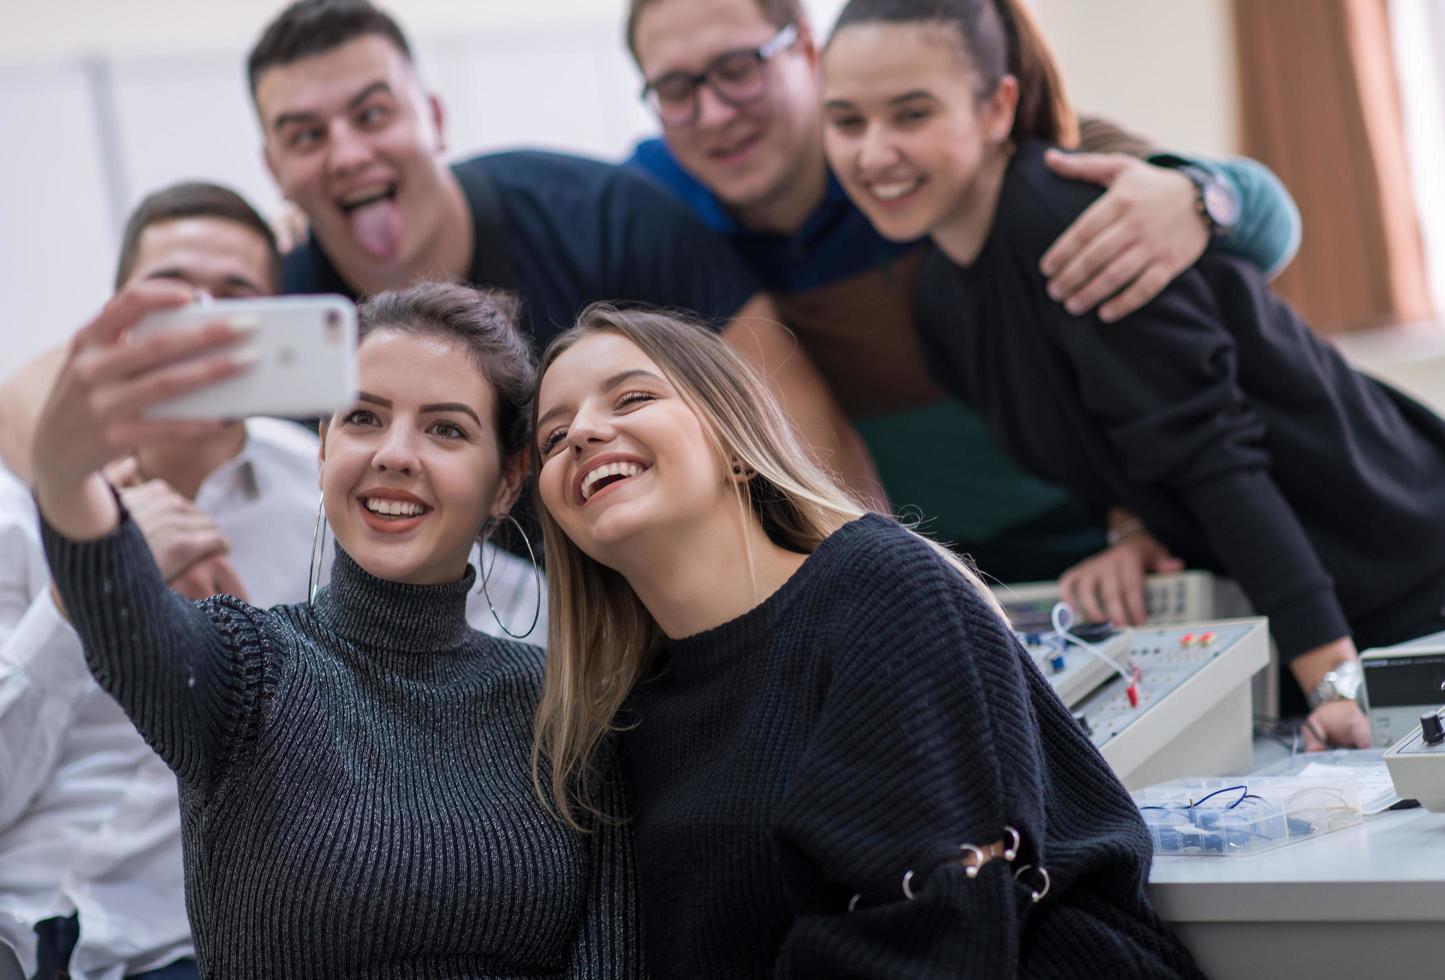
<point>601,637</point>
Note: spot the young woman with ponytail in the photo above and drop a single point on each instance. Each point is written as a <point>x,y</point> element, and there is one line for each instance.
<point>1242,441</point>
<point>840,762</point>
<point>741,146</point>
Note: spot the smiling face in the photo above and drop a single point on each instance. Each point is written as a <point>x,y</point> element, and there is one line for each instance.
<point>355,143</point>
<point>748,155</point>
<point>905,130</point>
<point>624,458</point>
<point>411,471</point>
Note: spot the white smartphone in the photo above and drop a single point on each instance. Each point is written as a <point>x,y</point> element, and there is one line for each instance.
<point>304,349</point>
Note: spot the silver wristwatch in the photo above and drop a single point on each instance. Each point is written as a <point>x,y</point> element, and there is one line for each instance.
<point>1343,683</point>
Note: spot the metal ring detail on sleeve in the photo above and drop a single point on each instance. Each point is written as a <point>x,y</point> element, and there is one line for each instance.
<point>1038,894</point>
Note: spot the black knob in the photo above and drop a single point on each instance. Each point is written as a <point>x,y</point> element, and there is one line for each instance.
<point>1432,728</point>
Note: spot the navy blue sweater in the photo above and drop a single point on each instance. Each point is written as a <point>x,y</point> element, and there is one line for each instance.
<point>869,718</point>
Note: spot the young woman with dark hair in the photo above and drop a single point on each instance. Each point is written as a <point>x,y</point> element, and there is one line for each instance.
<point>355,791</point>
<point>840,761</point>
<point>1242,441</point>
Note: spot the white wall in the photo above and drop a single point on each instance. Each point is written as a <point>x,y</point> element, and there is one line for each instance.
<point>1163,68</point>
<point>1419,34</point>
<point>102,101</point>
<point>54,30</point>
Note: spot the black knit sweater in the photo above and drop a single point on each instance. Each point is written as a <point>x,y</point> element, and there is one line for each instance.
<point>1242,440</point>
<point>869,718</point>
<point>355,790</point>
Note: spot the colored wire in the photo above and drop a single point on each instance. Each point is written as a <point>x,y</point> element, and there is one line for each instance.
<point>1226,789</point>
<point>1062,617</point>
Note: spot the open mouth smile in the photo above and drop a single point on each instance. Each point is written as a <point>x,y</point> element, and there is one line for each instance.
<point>893,191</point>
<point>391,511</point>
<point>606,473</point>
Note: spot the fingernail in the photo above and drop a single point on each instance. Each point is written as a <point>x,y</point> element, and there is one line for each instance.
<point>1106,315</point>
<point>244,325</point>
<point>243,359</point>
<point>1055,293</point>
<point>1074,306</point>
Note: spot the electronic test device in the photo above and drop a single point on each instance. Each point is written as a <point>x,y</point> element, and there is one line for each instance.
<point>1160,702</point>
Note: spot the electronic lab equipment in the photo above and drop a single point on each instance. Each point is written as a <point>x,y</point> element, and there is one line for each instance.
<point>1170,599</point>
<point>1401,684</point>
<point>1417,762</point>
<point>1190,710</point>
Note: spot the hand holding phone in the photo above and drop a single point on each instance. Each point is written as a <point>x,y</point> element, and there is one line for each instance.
<point>95,410</point>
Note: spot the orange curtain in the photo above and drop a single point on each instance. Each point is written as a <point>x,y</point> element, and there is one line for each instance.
<point>1320,105</point>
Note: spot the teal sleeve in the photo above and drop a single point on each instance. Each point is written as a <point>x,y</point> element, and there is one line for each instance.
<point>1268,232</point>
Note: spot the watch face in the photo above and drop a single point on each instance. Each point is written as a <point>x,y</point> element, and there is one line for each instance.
<point>1220,205</point>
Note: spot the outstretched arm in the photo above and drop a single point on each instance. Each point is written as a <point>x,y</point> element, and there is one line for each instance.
<point>179,672</point>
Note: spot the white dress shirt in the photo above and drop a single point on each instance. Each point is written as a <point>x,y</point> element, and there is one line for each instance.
<point>89,821</point>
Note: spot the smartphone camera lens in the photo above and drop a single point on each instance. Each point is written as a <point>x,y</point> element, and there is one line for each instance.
<point>333,327</point>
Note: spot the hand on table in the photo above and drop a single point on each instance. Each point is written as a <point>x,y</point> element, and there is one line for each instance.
<point>1336,725</point>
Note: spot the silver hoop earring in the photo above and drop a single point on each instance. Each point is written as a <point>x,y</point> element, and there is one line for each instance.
<point>318,553</point>
<point>536,577</point>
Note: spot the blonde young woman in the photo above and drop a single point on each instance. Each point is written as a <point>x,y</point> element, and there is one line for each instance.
<point>840,761</point>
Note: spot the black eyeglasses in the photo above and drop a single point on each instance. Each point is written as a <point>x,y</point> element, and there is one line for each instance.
<point>736,77</point>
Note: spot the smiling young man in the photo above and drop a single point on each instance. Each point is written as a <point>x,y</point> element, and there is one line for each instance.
<point>735,85</point>
<point>354,141</point>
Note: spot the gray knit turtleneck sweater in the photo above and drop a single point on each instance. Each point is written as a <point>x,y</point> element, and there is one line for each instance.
<point>355,789</point>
